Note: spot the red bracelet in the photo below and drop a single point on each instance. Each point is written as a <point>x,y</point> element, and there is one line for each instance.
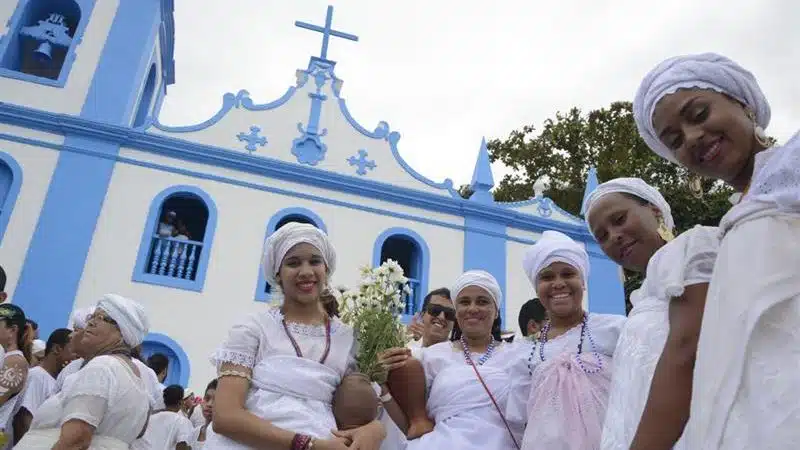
<point>301,442</point>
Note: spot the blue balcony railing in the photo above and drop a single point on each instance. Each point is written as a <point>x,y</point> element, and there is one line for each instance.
<point>173,258</point>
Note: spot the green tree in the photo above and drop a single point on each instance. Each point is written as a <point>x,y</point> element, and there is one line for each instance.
<point>562,151</point>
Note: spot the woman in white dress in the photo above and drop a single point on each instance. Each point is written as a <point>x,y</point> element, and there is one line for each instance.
<point>561,387</point>
<point>103,406</point>
<point>14,370</point>
<point>633,224</point>
<point>708,114</point>
<point>279,368</point>
<point>468,378</point>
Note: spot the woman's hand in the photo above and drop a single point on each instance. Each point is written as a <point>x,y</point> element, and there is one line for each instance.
<point>336,443</point>
<point>368,437</point>
<point>394,358</point>
<point>415,329</point>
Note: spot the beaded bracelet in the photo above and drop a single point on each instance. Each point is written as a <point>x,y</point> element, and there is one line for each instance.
<point>234,373</point>
<point>302,442</point>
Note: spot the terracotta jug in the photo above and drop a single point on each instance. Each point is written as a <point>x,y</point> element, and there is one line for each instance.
<point>407,385</point>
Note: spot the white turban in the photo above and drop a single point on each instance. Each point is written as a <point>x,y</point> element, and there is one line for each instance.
<point>553,247</point>
<point>703,71</point>
<point>632,186</point>
<point>281,241</point>
<point>79,317</point>
<point>129,315</point>
<point>481,279</point>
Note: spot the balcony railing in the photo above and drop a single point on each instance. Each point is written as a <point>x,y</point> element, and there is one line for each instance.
<point>413,301</point>
<point>173,258</point>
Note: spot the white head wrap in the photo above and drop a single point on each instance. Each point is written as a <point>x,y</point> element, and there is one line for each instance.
<point>129,315</point>
<point>552,247</point>
<point>280,242</point>
<point>703,71</point>
<point>79,317</point>
<point>38,346</point>
<point>481,279</point>
<point>633,186</point>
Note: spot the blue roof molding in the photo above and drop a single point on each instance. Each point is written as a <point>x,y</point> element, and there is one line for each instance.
<point>423,264</point>
<point>179,366</point>
<point>11,193</point>
<point>252,138</point>
<point>591,185</point>
<point>50,33</point>
<point>544,206</point>
<point>294,212</point>
<point>171,262</point>
<point>482,179</point>
<point>166,41</point>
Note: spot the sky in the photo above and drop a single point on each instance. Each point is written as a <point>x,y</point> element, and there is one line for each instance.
<point>445,73</point>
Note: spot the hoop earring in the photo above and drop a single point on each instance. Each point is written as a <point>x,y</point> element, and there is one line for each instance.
<point>664,231</point>
<point>758,131</point>
<point>695,183</point>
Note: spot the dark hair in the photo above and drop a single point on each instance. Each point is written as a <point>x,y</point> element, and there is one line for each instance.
<point>531,310</point>
<point>211,385</point>
<point>2,279</point>
<point>33,324</point>
<point>136,352</point>
<point>330,303</point>
<point>441,292</point>
<point>60,337</point>
<point>158,362</point>
<point>173,395</point>
<point>496,330</point>
<point>13,315</point>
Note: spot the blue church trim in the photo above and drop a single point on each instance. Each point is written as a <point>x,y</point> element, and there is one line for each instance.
<point>487,251</point>
<point>179,367</point>
<point>13,191</point>
<point>63,235</point>
<point>261,295</point>
<point>85,7</point>
<point>606,289</point>
<point>146,246</point>
<point>143,110</point>
<point>423,263</point>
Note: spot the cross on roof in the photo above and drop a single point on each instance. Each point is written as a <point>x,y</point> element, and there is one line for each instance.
<point>326,31</point>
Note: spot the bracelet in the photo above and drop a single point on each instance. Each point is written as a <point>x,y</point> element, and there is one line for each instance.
<point>302,442</point>
<point>386,398</point>
<point>234,373</point>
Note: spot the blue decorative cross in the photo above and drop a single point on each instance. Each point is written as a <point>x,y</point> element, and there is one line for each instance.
<point>326,31</point>
<point>362,162</point>
<point>252,139</point>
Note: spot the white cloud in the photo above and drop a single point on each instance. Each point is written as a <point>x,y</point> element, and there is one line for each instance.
<point>445,73</point>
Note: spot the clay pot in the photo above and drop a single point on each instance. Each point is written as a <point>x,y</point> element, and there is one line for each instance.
<point>407,385</point>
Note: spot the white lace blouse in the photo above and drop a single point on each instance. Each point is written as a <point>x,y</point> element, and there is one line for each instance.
<point>106,394</point>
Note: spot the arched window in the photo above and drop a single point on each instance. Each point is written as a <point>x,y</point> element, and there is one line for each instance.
<point>281,218</point>
<point>146,98</point>
<point>10,183</point>
<point>176,242</point>
<point>178,370</point>
<point>410,251</point>
<point>42,38</point>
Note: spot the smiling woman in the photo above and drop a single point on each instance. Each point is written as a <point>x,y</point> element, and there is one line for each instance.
<point>570,362</point>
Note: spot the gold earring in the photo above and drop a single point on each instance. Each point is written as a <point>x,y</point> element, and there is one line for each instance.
<point>664,231</point>
<point>695,183</point>
<point>758,131</point>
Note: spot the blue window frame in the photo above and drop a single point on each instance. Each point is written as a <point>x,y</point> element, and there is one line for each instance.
<point>409,249</point>
<point>179,368</point>
<point>10,183</point>
<point>279,219</point>
<point>176,242</point>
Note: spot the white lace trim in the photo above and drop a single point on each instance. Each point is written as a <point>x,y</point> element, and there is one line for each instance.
<point>228,356</point>
<point>302,328</point>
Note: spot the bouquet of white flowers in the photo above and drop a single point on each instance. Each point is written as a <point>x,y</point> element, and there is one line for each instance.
<point>374,313</point>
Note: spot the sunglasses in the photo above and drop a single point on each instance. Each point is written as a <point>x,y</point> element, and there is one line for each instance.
<point>436,310</point>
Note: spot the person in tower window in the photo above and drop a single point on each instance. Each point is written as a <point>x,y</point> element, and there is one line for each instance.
<point>170,429</point>
<point>42,378</point>
<point>166,228</point>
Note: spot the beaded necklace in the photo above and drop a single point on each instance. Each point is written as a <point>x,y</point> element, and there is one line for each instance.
<point>482,359</point>
<point>585,332</point>
<point>297,347</point>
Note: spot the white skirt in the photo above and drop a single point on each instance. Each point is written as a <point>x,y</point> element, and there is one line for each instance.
<point>746,379</point>
<point>46,439</point>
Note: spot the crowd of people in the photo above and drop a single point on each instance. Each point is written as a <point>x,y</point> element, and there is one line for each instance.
<point>706,358</point>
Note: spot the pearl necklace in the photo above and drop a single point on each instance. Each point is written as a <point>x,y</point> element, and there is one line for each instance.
<point>482,359</point>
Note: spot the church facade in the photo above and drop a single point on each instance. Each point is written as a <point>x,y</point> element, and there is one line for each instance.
<point>97,195</point>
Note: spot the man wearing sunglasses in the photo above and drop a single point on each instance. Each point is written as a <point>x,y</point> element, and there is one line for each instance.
<point>436,320</point>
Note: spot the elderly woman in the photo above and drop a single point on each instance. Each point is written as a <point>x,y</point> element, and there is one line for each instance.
<point>633,224</point>
<point>104,405</point>
<point>279,368</point>
<point>468,378</point>
<point>708,114</point>
<point>561,389</point>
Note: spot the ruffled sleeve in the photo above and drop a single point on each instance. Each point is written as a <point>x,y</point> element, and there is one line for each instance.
<point>687,260</point>
<point>86,395</point>
<point>242,344</point>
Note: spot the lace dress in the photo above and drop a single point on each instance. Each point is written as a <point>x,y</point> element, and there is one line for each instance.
<point>290,392</point>
<point>687,260</point>
<point>745,379</point>
<point>106,394</point>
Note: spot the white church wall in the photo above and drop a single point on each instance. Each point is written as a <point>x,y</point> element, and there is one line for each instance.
<point>70,98</point>
<point>6,10</point>
<point>198,321</point>
<point>36,165</point>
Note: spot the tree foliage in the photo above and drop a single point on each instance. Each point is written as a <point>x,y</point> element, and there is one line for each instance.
<point>560,154</point>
